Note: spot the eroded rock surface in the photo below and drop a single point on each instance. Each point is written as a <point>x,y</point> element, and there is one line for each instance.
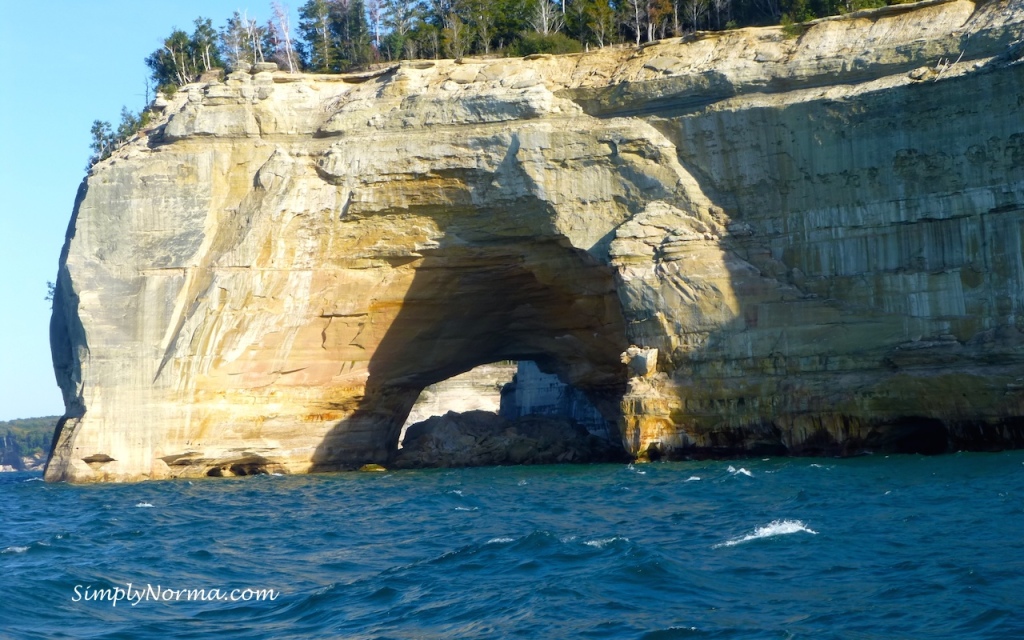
<point>820,237</point>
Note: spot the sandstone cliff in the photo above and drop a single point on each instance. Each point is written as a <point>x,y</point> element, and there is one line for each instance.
<point>814,242</point>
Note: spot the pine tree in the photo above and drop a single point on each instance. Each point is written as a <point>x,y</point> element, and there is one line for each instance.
<point>351,32</point>
<point>400,18</point>
<point>203,46</point>
<point>242,41</point>
<point>318,47</point>
<point>170,64</point>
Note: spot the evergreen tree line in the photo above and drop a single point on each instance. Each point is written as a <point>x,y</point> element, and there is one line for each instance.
<point>32,435</point>
<point>336,36</point>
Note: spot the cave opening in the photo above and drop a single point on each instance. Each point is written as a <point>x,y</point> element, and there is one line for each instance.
<point>505,413</point>
<point>543,302</point>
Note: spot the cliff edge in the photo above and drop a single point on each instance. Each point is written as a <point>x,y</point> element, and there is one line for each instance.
<point>731,243</point>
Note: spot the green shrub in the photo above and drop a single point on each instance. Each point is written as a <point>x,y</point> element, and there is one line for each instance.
<point>533,42</point>
<point>792,29</point>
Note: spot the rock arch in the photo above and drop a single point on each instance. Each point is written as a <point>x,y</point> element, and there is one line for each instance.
<point>544,301</point>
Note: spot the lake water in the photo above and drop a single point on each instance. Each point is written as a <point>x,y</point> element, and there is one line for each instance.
<point>871,547</point>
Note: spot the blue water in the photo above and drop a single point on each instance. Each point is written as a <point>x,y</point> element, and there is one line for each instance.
<point>874,547</point>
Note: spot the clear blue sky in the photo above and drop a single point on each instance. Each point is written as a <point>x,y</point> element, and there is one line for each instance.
<point>66,63</point>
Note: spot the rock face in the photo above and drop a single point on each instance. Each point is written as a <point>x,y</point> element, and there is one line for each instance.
<point>819,239</point>
<point>481,438</point>
<point>10,454</point>
<point>533,392</point>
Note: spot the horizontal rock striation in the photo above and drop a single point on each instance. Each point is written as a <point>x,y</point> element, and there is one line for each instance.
<point>813,243</point>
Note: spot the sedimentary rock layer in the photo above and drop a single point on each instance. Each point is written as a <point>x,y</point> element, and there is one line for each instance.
<point>814,242</point>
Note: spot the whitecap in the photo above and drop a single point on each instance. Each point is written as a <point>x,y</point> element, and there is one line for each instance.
<point>601,544</point>
<point>565,539</point>
<point>465,508</point>
<point>33,480</point>
<point>144,504</point>
<point>692,479</point>
<point>15,550</point>
<point>741,471</point>
<point>500,540</point>
<point>770,530</point>
<point>457,492</point>
<point>522,483</point>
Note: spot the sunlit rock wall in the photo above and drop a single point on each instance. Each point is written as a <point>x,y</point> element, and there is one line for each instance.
<point>820,236</point>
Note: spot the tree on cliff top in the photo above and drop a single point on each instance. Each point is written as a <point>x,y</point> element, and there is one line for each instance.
<point>182,57</point>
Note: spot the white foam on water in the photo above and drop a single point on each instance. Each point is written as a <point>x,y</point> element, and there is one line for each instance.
<point>500,540</point>
<point>522,483</point>
<point>15,550</point>
<point>144,504</point>
<point>738,472</point>
<point>457,492</point>
<point>692,479</point>
<point>33,480</point>
<point>465,508</point>
<point>770,530</point>
<point>565,539</point>
<point>600,544</point>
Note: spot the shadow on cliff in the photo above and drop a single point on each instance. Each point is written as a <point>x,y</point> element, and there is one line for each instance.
<point>876,277</point>
<point>473,304</point>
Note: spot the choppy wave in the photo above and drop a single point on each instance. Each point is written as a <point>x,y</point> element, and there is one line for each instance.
<point>541,552</point>
<point>739,472</point>
<point>601,544</point>
<point>770,530</point>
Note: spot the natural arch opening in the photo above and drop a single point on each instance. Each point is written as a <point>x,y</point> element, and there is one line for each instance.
<point>504,413</point>
<point>542,301</point>
<point>479,389</point>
